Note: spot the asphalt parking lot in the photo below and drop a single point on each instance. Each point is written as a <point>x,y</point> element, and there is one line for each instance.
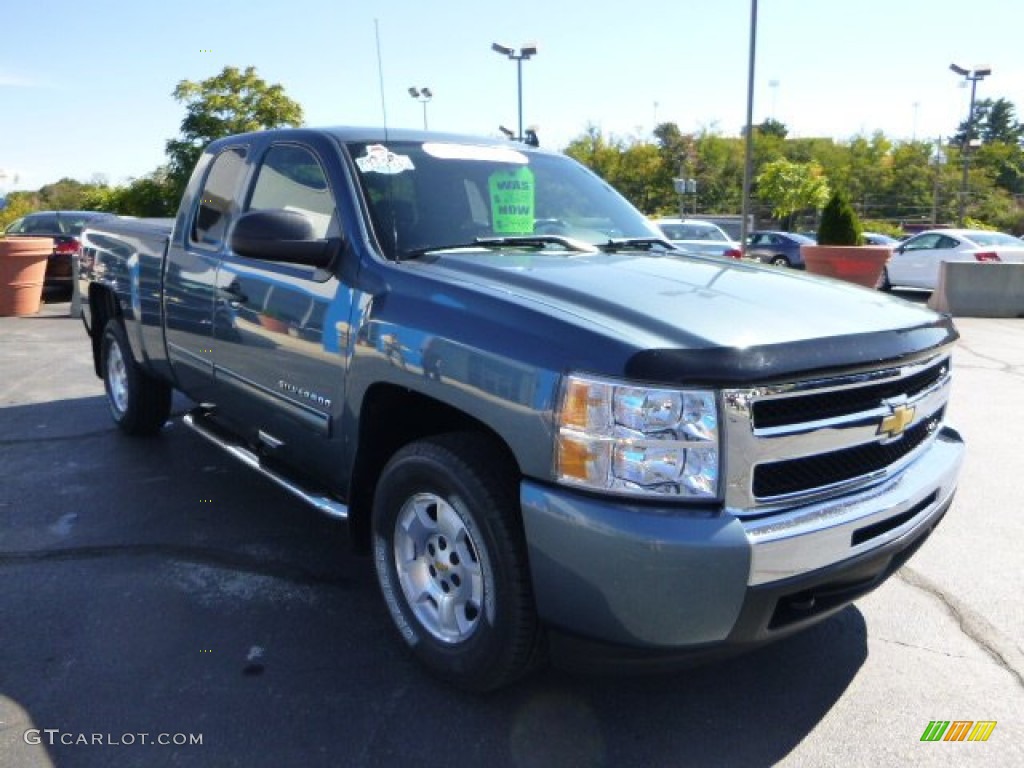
<point>155,590</point>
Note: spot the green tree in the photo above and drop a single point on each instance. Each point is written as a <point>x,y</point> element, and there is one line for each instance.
<point>993,120</point>
<point>792,187</point>
<point>63,195</point>
<point>1001,124</point>
<point>678,159</point>
<point>719,173</point>
<point>639,164</point>
<point>600,154</point>
<point>150,195</point>
<point>915,186</point>
<point>773,127</point>
<point>231,102</point>
<point>839,222</point>
<point>18,204</point>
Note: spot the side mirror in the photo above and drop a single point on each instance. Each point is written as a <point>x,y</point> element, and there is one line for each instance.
<point>280,235</point>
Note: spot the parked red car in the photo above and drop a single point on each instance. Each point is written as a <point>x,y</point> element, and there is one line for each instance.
<point>64,227</point>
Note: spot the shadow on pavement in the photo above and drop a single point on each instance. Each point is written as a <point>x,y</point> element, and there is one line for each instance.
<point>154,586</point>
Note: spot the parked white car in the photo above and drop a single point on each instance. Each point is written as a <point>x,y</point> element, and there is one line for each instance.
<point>916,262</point>
<point>696,236</point>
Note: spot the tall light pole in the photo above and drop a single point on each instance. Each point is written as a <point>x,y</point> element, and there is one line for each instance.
<point>423,95</point>
<point>972,76</point>
<point>748,146</point>
<point>524,53</point>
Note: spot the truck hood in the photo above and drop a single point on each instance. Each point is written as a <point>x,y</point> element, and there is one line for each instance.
<point>735,318</point>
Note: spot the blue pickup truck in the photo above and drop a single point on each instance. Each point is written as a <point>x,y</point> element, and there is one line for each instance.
<point>552,431</point>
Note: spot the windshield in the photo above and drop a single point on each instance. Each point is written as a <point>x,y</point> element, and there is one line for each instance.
<point>429,195</point>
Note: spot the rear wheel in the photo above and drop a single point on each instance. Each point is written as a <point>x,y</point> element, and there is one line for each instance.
<point>451,560</point>
<point>780,261</point>
<point>138,402</point>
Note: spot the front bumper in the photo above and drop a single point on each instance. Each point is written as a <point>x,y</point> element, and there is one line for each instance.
<point>658,579</point>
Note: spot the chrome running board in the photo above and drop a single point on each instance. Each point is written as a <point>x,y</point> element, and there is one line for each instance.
<point>319,501</point>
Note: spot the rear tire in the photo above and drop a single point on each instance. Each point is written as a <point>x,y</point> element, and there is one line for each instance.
<point>780,261</point>
<point>138,402</point>
<point>450,558</point>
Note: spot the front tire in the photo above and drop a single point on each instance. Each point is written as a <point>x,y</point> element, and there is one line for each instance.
<point>450,558</point>
<point>138,402</point>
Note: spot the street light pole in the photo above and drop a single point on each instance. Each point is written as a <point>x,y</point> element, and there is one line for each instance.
<point>748,150</point>
<point>973,76</point>
<point>525,52</point>
<point>423,95</point>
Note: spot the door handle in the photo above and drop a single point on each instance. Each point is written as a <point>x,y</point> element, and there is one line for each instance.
<point>233,295</point>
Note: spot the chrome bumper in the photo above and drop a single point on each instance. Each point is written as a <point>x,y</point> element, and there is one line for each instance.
<point>819,535</point>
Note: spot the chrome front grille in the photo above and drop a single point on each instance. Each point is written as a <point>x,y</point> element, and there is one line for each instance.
<point>799,441</point>
<point>783,411</point>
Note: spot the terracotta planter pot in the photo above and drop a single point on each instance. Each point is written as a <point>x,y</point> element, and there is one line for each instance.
<point>22,271</point>
<point>860,264</point>
<point>273,324</point>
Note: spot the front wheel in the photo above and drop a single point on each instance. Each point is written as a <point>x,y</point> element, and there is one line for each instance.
<point>138,402</point>
<point>450,558</point>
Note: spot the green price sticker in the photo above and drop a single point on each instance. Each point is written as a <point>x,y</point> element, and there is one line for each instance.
<point>512,208</point>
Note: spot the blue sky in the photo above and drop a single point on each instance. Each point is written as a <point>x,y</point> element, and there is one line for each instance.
<point>85,88</point>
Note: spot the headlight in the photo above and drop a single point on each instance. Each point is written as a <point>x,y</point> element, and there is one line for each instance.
<point>635,440</point>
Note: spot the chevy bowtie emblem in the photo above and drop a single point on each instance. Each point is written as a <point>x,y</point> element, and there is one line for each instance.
<point>897,421</point>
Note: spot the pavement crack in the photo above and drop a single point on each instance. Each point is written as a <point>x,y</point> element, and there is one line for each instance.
<point>974,626</point>
<point>216,558</point>
<point>1004,366</point>
<point>917,647</point>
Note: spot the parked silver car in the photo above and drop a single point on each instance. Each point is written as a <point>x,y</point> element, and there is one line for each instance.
<point>702,237</point>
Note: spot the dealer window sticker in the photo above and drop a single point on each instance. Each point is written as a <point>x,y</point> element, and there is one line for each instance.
<point>512,201</point>
<point>380,159</point>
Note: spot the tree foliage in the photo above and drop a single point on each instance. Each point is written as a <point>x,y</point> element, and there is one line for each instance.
<point>18,204</point>
<point>231,102</point>
<point>792,187</point>
<point>840,224</point>
<point>993,121</point>
<point>773,127</point>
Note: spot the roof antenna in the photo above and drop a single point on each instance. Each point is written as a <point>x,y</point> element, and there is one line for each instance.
<point>380,79</point>
<point>387,143</point>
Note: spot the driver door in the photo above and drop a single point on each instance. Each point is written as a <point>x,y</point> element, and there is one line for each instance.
<point>278,327</point>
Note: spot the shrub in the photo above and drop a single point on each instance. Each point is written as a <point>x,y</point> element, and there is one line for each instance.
<point>839,223</point>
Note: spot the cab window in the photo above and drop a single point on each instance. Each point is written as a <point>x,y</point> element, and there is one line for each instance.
<point>291,178</point>
<point>213,213</point>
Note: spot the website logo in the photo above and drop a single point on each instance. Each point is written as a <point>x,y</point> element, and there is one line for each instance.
<point>958,730</point>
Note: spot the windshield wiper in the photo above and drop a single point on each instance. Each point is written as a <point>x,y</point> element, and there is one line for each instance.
<point>636,244</point>
<point>511,241</point>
